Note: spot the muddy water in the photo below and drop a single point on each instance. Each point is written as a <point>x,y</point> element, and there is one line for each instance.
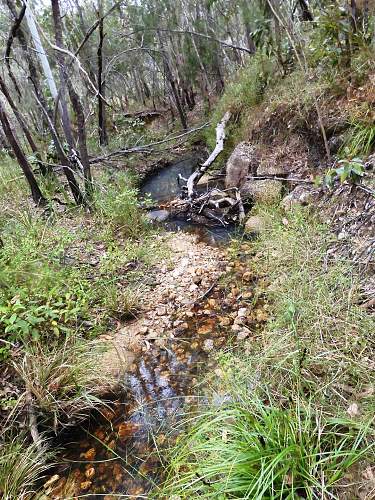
<point>120,453</point>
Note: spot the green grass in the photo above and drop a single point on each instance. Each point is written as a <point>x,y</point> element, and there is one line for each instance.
<point>22,465</point>
<point>258,450</point>
<point>284,430</point>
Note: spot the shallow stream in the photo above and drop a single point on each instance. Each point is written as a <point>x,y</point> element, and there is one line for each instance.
<point>119,451</point>
<point>164,186</point>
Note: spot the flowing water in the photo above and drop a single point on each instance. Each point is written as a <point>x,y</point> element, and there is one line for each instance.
<point>120,453</point>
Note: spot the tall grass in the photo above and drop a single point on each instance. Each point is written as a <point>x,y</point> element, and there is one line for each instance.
<point>257,450</point>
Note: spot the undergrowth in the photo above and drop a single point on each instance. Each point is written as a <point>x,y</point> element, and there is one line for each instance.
<point>65,278</point>
<point>297,403</point>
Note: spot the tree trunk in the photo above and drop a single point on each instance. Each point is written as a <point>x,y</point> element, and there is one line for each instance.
<point>172,83</point>
<point>102,128</point>
<point>21,158</point>
<point>84,157</point>
<point>63,74</point>
<point>23,126</point>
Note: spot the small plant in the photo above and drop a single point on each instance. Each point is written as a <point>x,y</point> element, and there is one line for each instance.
<point>349,170</point>
<point>360,139</point>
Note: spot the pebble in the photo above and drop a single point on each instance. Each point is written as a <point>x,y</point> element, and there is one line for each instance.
<point>208,345</point>
<point>242,312</point>
<point>243,334</point>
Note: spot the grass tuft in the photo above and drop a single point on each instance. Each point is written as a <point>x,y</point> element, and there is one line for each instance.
<point>21,467</point>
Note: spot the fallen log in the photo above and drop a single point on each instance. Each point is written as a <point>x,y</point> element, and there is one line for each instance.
<point>220,138</point>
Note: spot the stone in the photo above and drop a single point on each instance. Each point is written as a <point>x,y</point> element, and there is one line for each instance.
<point>262,191</point>
<point>242,312</point>
<point>301,195</point>
<point>157,215</point>
<point>255,224</point>
<point>243,334</point>
<point>241,162</point>
<point>208,345</point>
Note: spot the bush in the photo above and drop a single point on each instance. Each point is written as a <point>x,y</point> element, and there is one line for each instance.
<point>117,205</point>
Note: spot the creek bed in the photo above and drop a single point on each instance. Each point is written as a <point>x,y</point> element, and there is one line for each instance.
<point>119,451</point>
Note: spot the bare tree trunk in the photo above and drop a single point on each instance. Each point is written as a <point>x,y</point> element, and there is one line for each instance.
<point>102,128</point>
<point>23,126</point>
<point>84,157</point>
<point>172,83</point>
<point>63,73</point>
<point>21,158</point>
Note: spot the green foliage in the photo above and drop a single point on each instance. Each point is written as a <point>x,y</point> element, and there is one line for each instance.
<point>360,139</point>
<point>348,170</point>
<point>259,450</point>
<point>117,205</point>
<point>22,465</point>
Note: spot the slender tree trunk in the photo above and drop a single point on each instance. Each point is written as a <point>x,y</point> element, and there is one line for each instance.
<point>172,83</point>
<point>84,157</point>
<point>23,126</point>
<point>21,158</point>
<point>68,170</point>
<point>102,128</point>
<point>67,126</point>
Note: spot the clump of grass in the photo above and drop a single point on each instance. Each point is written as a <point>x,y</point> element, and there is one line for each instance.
<point>22,466</point>
<point>360,140</point>
<point>62,382</point>
<point>255,449</point>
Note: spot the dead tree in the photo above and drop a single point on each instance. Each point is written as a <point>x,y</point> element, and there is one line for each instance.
<point>36,193</point>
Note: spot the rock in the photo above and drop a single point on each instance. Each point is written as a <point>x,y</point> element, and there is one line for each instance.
<point>262,191</point>
<point>243,334</point>
<point>242,312</point>
<point>301,195</point>
<point>255,224</point>
<point>157,215</point>
<point>240,163</point>
<point>161,311</point>
<point>208,345</point>
<point>272,168</point>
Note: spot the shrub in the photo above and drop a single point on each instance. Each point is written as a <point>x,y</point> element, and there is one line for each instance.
<point>117,205</point>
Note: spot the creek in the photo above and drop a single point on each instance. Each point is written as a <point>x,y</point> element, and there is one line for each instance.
<point>119,451</point>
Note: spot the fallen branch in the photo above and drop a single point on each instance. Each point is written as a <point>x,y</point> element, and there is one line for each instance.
<point>220,137</point>
<point>145,147</point>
